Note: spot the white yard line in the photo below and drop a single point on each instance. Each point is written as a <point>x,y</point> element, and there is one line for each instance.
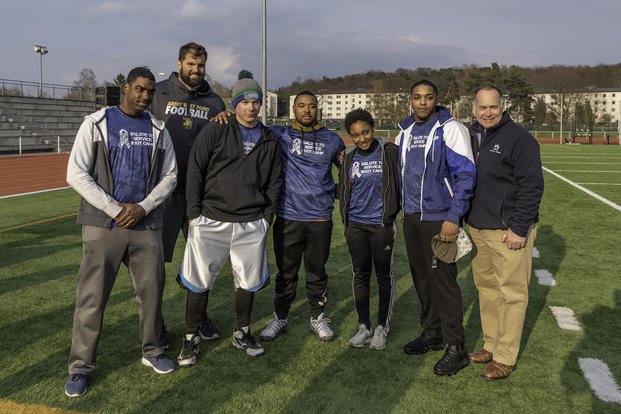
<point>535,252</point>
<point>33,192</point>
<point>545,278</point>
<point>600,379</point>
<point>591,171</point>
<point>565,318</point>
<point>599,183</point>
<point>567,157</point>
<point>589,192</point>
<point>580,162</point>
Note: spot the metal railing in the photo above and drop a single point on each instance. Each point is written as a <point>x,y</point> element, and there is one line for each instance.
<point>25,144</point>
<point>9,87</point>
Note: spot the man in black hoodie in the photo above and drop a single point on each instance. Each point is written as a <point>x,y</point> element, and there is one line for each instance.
<point>185,102</point>
<point>234,182</point>
<point>503,217</point>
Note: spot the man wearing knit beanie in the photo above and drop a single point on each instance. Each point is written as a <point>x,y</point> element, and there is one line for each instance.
<point>234,181</point>
<point>246,88</point>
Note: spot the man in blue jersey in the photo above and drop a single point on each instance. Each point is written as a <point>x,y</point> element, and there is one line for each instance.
<point>438,176</point>
<point>123,166</point>
<point>303,226</point>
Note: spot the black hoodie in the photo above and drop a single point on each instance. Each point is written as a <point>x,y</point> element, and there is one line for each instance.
<point>509,177</point>
<point>185,114</point>
<point>226,185</point>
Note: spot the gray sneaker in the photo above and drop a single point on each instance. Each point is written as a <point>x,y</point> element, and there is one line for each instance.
<point>379,338</point>
<point>245,341</point>
<point>321,328</point>
<point>362,337</point>
<point>160,364</point>
<point>274,328</point>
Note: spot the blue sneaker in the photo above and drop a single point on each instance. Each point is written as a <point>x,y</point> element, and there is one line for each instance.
<point>76,385</point>
<point>160,364</point>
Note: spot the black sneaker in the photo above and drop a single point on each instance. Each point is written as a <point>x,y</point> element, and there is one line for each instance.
<point>244,341</point>
<point>427,341</point>
<point>208,331</point>
<point>454,359</point>
<point>189,351</point>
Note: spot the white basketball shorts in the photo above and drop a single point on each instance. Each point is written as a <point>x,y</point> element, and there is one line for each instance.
<point>209,244</point>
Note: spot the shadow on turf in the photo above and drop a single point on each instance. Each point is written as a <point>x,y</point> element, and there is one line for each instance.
<point>116,348</point>
<point>552,250</point>
<point>38,326</point>
<point>602,331</point>
<point>38,244</point>
<point>26,281</point>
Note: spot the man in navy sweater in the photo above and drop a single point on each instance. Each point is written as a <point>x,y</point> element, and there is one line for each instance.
<point>505,210</point>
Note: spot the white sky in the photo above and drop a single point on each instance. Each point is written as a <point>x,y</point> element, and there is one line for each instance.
<point>306,39</point>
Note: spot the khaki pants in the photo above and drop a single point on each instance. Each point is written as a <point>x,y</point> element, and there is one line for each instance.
<point>501,276</point>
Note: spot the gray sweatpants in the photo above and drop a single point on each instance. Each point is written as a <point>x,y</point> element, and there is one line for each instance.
<point>103,251</point>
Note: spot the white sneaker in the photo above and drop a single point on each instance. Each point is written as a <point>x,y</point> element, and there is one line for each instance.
<point>362,337</point>
<point>274,328</point>
<point>379,338</point>
<point>321,328</point>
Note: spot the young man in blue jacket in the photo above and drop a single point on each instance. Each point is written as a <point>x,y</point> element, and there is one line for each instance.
<point>438,177</point>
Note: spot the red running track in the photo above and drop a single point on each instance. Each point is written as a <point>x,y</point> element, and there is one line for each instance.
<point>28,173</point>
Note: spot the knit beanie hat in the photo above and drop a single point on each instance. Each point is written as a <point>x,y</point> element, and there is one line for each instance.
<point>245,88</point>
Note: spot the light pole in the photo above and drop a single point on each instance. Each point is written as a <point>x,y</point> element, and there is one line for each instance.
<point>41,50</point>
<point>264,60</point>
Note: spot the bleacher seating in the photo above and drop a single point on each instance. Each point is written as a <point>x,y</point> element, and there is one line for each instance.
<point>40,122</point>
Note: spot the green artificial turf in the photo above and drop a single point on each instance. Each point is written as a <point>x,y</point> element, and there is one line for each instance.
<point>578,241</point>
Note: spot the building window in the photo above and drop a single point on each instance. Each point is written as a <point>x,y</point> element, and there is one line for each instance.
<point>604,95</point>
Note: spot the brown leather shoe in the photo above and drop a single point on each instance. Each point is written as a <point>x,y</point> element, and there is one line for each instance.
<point>481,357</point>
<point>494,370</point>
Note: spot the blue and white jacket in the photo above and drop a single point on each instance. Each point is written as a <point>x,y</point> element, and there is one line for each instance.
<point>449,174</point>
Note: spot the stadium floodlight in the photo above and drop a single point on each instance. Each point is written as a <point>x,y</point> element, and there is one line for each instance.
<point>264,60</point>
<point>41,50</point>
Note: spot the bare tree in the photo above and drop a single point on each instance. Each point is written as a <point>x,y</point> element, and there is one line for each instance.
<point>84,88</point>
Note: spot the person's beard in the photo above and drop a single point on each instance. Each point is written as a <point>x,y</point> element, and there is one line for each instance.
<point>185,78</point>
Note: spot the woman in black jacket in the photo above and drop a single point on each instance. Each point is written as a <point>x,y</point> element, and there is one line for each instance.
<point>369,202</point>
